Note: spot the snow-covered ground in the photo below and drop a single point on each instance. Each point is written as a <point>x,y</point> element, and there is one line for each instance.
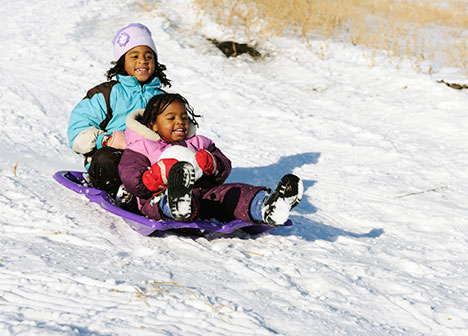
<point>380,240</point>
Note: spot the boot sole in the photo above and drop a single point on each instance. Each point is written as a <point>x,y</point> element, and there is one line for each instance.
<point>180,183</point>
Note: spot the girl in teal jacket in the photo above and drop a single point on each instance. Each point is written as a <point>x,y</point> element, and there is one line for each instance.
<point>97,122</point>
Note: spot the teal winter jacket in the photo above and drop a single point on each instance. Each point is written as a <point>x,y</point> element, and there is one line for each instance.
<point>104,110</point>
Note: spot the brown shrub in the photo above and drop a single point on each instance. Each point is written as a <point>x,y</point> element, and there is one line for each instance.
<point>401,28</point>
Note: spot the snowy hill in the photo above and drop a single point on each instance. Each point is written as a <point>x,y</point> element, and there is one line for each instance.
<point>379,243</point>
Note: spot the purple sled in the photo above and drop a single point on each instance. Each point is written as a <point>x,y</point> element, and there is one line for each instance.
<point>75,181</point>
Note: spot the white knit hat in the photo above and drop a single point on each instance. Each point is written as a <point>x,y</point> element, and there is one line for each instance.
<point>131,36</point>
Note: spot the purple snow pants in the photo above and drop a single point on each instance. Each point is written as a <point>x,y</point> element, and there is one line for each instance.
<point>224,203</point>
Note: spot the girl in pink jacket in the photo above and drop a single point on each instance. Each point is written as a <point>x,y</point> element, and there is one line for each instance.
<point>192,187</point>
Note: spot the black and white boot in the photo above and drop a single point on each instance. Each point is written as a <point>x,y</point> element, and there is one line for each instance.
<point>288,194</point>
<point>123,196</point>
<point>125,200</point>
<point>179,190</point>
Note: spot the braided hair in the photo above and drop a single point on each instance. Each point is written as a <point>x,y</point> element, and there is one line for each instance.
<point>119,69</point>
<point>158,104</point>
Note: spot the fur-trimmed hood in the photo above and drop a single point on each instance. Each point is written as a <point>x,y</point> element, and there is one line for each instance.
<point>141,139</point>
<point>144,131</point>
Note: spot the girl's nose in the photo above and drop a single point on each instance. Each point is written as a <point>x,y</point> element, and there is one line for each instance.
<point>142,60</point>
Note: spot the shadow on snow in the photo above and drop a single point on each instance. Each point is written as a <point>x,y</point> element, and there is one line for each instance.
<point>311,231</point>
<point>303,227</point>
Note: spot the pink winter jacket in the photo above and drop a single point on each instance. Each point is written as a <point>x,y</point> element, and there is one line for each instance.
<point>144,147</point>
<point>214,198</point>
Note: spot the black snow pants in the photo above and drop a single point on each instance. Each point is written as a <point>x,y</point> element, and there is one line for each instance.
<point>104,170</point>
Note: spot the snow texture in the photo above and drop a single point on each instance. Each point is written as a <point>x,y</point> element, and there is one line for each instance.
<point>380,239</point>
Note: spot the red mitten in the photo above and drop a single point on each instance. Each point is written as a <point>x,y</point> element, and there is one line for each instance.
<point>155,178</point>
<point>207,162</point>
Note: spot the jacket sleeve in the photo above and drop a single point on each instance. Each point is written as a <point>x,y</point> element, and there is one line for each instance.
<point>131,168</point>
<point>84,131</point>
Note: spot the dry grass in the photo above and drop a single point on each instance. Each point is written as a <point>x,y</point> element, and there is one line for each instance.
<point>15,167</point>
<point>147,5</point>
<point>401,28</point>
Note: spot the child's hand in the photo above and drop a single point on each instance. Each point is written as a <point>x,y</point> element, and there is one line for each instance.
<point>155,178</point>
<point>116,140</point>
<point>207,162</point>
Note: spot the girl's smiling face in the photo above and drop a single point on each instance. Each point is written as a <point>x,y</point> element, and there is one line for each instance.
<point>139,62</point>
<point>173,123</point>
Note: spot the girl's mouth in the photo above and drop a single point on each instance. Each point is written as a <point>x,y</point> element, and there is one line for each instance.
<point>141,70</point>
<point>179,131</point>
